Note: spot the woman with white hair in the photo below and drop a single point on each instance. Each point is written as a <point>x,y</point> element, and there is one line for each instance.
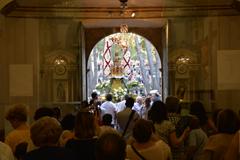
<point>138,106</point>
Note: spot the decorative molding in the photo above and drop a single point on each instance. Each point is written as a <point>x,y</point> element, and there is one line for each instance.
<point>3,3</point>
<point>7,6</point>
<point>115,13</point>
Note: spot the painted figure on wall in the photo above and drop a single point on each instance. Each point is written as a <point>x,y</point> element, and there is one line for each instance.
<point>181,90</point>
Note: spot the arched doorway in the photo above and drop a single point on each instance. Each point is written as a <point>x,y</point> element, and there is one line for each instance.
<point>124,63</point>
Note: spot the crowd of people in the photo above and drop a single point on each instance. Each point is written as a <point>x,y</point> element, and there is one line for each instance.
<point>144,128</point>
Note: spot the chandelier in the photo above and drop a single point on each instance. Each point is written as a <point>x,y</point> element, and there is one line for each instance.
<point>123,4</point>
<point>124,11</point>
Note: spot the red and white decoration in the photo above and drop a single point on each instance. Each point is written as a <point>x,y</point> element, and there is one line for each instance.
<point>107,57</point>
<point>126,61</point>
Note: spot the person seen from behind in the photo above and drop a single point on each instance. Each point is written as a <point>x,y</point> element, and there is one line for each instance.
<point>110,146</point>
<point>144,146</point>
<point>45,133</point>
<point>227,124</point>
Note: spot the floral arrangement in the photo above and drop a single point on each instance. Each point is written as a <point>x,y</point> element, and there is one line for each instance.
<point>134,84</point>
<point>119,93</point>
<point>105,87</point>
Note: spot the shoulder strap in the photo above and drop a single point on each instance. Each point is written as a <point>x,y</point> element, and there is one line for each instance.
<point>139,155</point>
<point>129,120</point>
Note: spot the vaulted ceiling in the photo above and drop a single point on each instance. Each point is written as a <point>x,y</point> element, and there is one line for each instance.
<point>108,12</point>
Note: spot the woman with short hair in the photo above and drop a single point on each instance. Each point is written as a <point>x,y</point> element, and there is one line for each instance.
<point>45,133</point>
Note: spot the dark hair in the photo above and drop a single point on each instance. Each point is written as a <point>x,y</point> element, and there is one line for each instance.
<point>172,104</point>
<point>110,146</point>
<point>158,112</point>
<point>17,112</point>
<point>94,95</point>
<point>107,119</point>
<point>42,112</point>
<point>109,97</point>
<point>85,125</point>
<point>130,102</point>
<point>194,123</point>
<point>57,112</point>
<point>228,121</point>
<point>142,131</point>
<point>215,115</point>
<point>126,96</point>
<point>68,122</point>
<point>198,110</point>
<point>84,104</point>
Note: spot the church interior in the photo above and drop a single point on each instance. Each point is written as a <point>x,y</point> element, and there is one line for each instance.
<point>46,44</point>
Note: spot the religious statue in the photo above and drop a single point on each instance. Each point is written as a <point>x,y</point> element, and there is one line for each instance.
<point>117,83</point>
<point>181,91</point>
<point>60,92</point>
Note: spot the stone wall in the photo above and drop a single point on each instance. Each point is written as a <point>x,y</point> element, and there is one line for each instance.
<point>205,36</point>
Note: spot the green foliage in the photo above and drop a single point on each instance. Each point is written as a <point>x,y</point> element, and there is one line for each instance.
<point>134,84</point>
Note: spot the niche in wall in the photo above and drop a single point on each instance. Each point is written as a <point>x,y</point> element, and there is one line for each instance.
<point>59,77</point>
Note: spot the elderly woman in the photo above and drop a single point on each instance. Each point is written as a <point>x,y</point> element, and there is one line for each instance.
<point>45,133</point>
<point>17,116</point>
